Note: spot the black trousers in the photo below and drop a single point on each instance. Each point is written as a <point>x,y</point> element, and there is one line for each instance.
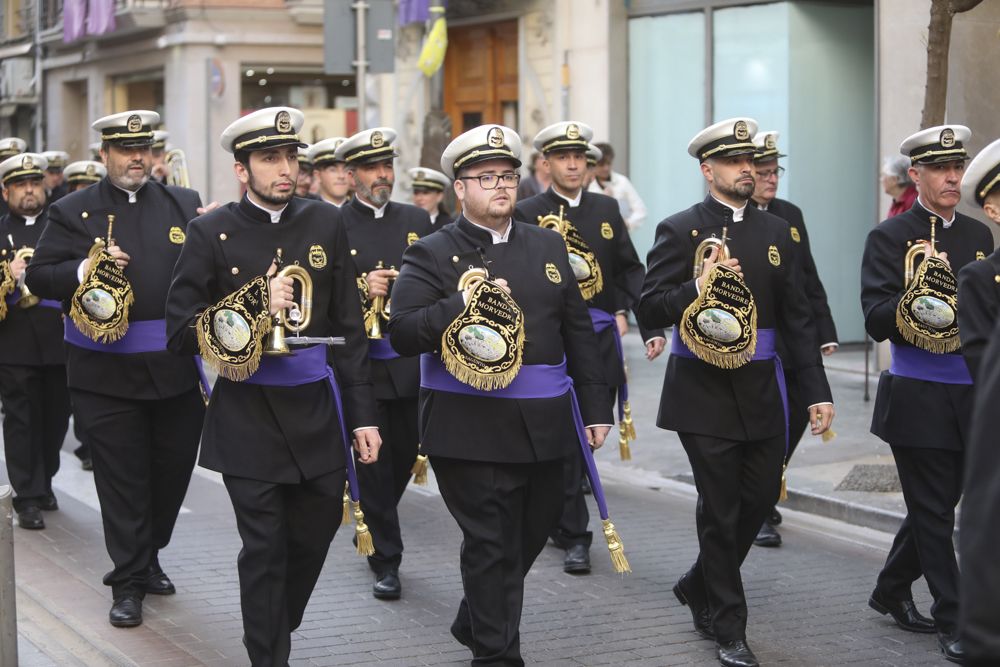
<point>143,453</point>
<point>932,486</point>
<point>36,417</point>
<point>572,528</point>
<point>505,511</point>
<point>383,482</point>
<point>738,483</point>
<point>798,413</point>
<point>286,531</point>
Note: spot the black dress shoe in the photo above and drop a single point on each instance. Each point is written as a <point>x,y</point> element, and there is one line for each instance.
<point>387,586</point>
<point>49,503</point>
<point>30,518</point>
<point>951,646</point>
<point>577,559</point>
<point>904,612</point>
<point>736,654</point>
<point>126,612</point>
<point>702,619</point>
<point>158,583</point>
<point>767,536</point>
<point>774,518</point>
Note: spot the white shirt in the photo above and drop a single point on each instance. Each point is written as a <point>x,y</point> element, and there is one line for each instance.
<point>30,220</point>
<point>131,193</point>
<point>497,237</point>
<point>379,212</point>
<point>573,203</point>
<point>434,217</point>
<point>630,204</point>
<point>275,215</point>
<point>333,203</point>
<point>944,223</point>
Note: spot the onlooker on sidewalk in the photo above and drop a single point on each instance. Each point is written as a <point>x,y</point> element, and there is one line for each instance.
<point>618,186</point>
<point>897,184</point>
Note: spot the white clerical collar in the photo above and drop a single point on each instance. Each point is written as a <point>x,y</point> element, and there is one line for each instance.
<point>131,193</point>
<point>434,217</point>
<point>573,203</point>
<point>737,212</point>
<point>379,212</point>
<point>29,220</point>
<point>275,215</point>
<point>944,223</point>
<point>763,207</point>
<point>333,203</point>
<point>496,236</point>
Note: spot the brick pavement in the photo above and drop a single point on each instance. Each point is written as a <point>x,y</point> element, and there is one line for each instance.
<point>807,599</point>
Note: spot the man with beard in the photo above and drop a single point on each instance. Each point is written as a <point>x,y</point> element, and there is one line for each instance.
<point>330,171</point>
<point>379,231</point>
<point>606,243</point>
<point>275,427</point>
<point>9,147</point>
<point>723,391</point>
<point>55,179</point>
<point>923,408</point>
<point>32,363</point>
<point>428,193</point>
<point>767,173</point>
<point>497,454</point>
<point>140,410</point>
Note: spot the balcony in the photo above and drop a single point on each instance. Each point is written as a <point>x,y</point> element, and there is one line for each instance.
<point>131,17</point>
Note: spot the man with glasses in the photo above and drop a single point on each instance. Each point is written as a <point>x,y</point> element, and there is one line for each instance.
<point>497,457</point>
<point>606,252</point>
<point>768,172</point>
<point>378,231</point>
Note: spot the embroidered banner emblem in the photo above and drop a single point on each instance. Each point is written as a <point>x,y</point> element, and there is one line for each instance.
<point>582,260</point>
<point>100,305</point>
<point>231,333</point>
<point>720,326</point>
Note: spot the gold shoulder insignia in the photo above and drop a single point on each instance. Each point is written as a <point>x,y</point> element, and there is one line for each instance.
<point>552,273</point>
<point>412,238</point>
<point>317,256</point>
<point>980,255</point>
<point>795,235</point>
<point>606,230</point>
<point>177,235</point>
<point>773,256</point>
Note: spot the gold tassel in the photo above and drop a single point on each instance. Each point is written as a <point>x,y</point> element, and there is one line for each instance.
<point>419,470</point>
<point>345,520</point>
<point>829,434</point>
<point>922,341</point>
<point>783,494</point>
<point>629,426</point>
<point>618,559</point>
<point>624,451</point>
<point>361,532</point>
<point>597,286</point>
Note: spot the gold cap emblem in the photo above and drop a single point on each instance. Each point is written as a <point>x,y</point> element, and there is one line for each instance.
<point>741,131</point>
<point>377,139</point>
<point>421,175</point>
<point>495,137</point>
<point>769,142</point>
<point>317,256</point>
<point>283,122</point>
<point>947,137</point>
<point>134,123</point>
<point>27,162</point>
<point>572,132</point>
<point>90,170</point>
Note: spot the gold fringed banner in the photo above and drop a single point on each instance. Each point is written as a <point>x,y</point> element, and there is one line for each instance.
<point>100,305</point>
<point>231,333</point>
<point>615,546</point>
<point>361,532</point>
<point>7,284</point>
<point>419,470</point>
<point>720,326</point>
<point>582,260</point>
<point>926,314</point>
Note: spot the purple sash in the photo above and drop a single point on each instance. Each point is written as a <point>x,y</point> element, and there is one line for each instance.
<point>381,349</point>
<point>304,366</point>
<point>532,381</point>
<point>142,336</point>
<point>764,351</point>
<point>46,303</point>
<point>912,362</point>
<point>603,320</point>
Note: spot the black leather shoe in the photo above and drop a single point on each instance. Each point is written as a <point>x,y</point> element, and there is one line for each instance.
<point>774,518</point>
<point>767,536</point>
<point>951,646</point>
<point>387,586</point>
<point>577,560</point>
<point>49,503</point>
<point>736,654</point>
<point>702,619</point>
<point>126,612</point>
<point>30,518</point>
<point>904,612</point>
<point>158,583</point>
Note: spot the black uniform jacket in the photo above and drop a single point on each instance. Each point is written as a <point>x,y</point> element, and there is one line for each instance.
<point>151,232</point>
<point>59,192</point>
<point>826,330</point>
<point>745,403</point>
<point>275,434</point>
<point>599,221</point>
<point>384,239</point>
<point>978,307</point>
<point>556,324</point>
<point>909,412</point>
<point>28,336</point>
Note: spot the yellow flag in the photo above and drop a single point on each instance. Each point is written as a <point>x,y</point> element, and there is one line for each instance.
<point>432,55</point>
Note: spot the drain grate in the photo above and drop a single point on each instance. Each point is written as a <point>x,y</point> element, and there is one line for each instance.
<point>871,477</point>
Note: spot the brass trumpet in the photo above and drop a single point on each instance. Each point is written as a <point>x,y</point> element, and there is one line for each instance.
<point>298,317</point>
<point>705,248</point>
<point>379,311</point>
<point>918,250</point>
<point>553,221</point>
<point>26,299</point>
<point>177,171</point>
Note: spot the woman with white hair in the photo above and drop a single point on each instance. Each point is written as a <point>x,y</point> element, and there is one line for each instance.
<point>897,184</point>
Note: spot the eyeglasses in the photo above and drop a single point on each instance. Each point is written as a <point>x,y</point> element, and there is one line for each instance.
<point>492,181</point>
<point>768,173</point>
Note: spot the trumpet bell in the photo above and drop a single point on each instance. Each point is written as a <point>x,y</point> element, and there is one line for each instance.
<point>26,298</point>
<point>275,346</point>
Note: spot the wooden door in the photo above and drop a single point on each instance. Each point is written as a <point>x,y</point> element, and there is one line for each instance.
<point>480,75</point>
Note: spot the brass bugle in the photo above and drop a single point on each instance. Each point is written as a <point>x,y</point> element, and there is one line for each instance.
<point>553,221</point>
<point>296,318</point>
<point>704,250</point>
<point>26,298</point>
<point>918,249</point>
<point>177,171</point>
<point>471,278</point>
